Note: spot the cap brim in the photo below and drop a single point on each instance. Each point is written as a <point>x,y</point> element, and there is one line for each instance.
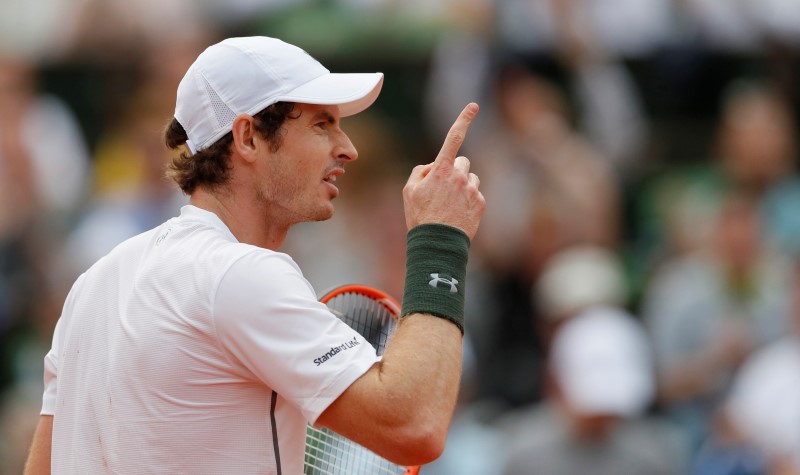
<point>352,92</point>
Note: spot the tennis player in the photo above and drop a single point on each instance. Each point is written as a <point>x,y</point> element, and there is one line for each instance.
<point>198,347</point>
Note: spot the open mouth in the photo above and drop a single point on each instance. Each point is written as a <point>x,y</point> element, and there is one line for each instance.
<point>331,177</point>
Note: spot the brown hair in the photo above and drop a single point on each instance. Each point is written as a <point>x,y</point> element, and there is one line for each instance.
<point>209,167</point>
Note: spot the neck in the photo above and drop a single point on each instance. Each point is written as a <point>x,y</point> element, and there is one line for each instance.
<point>248,223</point>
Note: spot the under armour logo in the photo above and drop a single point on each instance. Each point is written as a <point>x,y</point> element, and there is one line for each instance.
<point>435,279</point>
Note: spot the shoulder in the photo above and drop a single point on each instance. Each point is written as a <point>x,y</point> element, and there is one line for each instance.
<point>262,280</point>
<point>252,263</point>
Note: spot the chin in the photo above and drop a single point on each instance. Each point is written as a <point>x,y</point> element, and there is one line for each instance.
<point>323,214</point>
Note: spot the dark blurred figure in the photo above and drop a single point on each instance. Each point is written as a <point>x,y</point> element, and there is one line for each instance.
<point>755,152</point>
<point>600,382</point>
<point>130,192</point>
<point>550,189</point>
<point>709,309</point>
<point>44,172</point>
<point>758,422</point>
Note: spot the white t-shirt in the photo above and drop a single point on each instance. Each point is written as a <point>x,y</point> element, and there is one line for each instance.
<point>184,351</point>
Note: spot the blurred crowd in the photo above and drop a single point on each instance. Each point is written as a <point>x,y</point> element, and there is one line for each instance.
<point>633,302</point>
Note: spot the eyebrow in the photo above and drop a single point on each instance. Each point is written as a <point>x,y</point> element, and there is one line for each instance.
<point>323,115</point>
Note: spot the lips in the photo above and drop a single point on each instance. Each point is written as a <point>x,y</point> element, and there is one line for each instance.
<point>331,177</point>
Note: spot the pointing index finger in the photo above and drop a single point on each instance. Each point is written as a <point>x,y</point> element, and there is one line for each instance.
<point>457,134</point>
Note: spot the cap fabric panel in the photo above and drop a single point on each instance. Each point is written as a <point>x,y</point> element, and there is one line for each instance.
<point>197,111</point>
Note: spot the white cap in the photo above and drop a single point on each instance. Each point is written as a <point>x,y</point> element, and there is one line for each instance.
<point>764,402</point>
<point>245,75</point>
<point>579,277</point>
<point>602,363</point>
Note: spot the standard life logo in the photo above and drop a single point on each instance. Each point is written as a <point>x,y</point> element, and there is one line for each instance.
<point>336,350</point>
<point>436,280</point>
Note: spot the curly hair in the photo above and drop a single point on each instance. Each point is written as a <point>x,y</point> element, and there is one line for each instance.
<point>210,167</point>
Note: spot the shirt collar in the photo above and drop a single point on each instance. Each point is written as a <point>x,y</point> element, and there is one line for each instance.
<point>193,213</point>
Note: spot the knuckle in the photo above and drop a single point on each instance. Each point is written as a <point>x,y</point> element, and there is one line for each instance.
<point>457,137</point>
<point>461,179</point>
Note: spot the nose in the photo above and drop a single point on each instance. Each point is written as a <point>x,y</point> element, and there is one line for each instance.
<point>346,151</point>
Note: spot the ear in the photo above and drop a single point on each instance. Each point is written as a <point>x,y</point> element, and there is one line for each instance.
<point>244,137</point>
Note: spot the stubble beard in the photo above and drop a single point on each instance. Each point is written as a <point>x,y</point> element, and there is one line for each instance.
<point>274,209</point>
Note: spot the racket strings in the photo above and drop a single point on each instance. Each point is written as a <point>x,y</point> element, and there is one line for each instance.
<point>367,316</point>
<point>332,453</point>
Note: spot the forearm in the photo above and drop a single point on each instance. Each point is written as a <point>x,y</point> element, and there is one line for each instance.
<point>404,404</point>
<point>422,366</point>
<point>39,457</point>
<point>421,369</point>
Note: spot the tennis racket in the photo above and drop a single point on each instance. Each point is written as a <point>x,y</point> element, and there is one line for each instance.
<point>374,315</point>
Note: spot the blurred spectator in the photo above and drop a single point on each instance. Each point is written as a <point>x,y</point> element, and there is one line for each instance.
<point>131,194</point>
<point>115,32</point>
<point>571,281</point>
<point>540,172</point>
<point>607,108</point>
<point>37,176</point>
<point>708,310</point>
<point>764,405</point>
<point>742,26</point>
<point>758,150</point>
<point>724,26</point>
<point>460,68</point>
<point>756,153</point>
<point>622,27</point>
<point>727,452</point>
<point>546,188</point>
<point>576,279</point>
<point>607,100</point>
<point>35,30</point>
<point>43,181</point>
<point>600,383</point>
<point>44,174</point>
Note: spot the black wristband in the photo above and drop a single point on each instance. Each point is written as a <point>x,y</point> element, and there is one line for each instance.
<point>436,268</point>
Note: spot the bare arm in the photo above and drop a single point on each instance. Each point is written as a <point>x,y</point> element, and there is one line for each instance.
<point>402,407</point>
<point>39,457</point>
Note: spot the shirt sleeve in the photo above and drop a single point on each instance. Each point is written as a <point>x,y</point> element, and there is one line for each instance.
<point>51,358</point>
<point>50,379</point>
<point>268,318</point>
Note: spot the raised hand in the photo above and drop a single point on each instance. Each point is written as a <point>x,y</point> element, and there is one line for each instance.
<point>445,191</point>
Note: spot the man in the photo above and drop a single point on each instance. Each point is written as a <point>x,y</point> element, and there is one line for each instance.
<point>592,419</point>
<point>190,348</point>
